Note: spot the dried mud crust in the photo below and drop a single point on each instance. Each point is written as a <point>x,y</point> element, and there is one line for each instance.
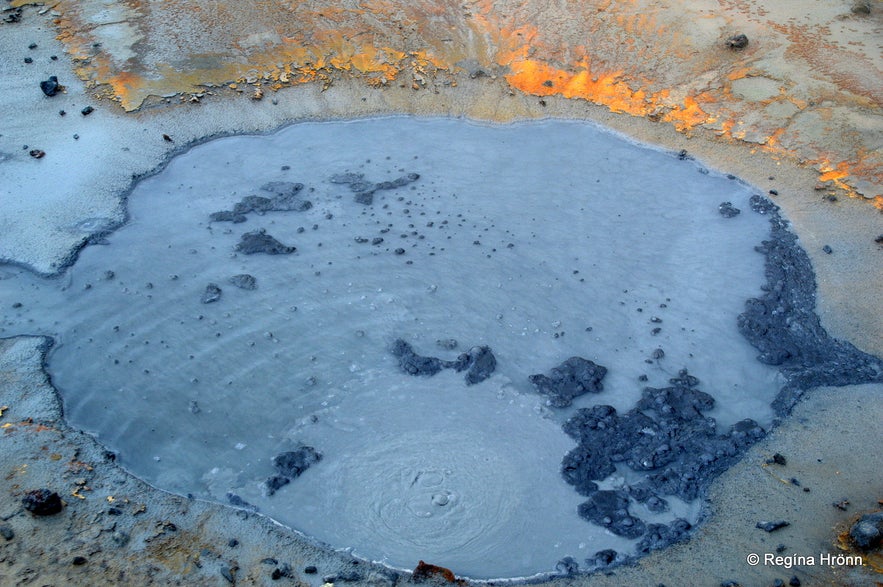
<point>746,71</point>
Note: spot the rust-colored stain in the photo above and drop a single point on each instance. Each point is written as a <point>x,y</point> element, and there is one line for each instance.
<point>661,59</point>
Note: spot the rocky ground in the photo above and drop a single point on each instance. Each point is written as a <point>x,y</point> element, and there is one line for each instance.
<point>796,111</point>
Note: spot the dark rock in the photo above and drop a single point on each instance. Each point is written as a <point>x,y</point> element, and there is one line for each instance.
<point>244,281</point>
<point>377,240</point>
<point>572,378</point>
<point>427,572</point>
<point>310,570</point>
<point>87,111</point>
<point>772,526</point>
<point>293,463</point>
<point>609,509</point>
<point>227,573</point>
<point>827,249</point>
<point>258,241</point>
<point>400,251</point>
<point>12,15</point>
<point>79,561</point>
<point>37,153</point>
<point>737,42</point>
<point>727,210</point>
<point>29,60</point>
<point>232,543</point>
<point>794,581</point>
<point>42,502</point>
<point>778,459</point>
<point>861,7</point>
<point>867,532</point>
<point>283,570</point>
<point>211,294</point>
<point>6,532</point>
<point>51,86</point>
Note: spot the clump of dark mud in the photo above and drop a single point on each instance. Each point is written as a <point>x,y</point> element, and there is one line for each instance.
<point>783,326</point>
<point>364,190</point>
<point>667,434</point>
<point>572,378</point>
<point>479,363</point>
<point>290,465</point>
<point>244,281</point>
<point>258,241</point>
<point>284,196</point>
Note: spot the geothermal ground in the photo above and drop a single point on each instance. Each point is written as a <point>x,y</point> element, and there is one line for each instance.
<point>795,113</point>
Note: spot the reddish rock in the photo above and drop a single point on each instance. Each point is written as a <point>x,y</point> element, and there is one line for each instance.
<point>425,572</point>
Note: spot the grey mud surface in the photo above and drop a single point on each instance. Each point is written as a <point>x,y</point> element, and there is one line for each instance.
<point>129,533</point>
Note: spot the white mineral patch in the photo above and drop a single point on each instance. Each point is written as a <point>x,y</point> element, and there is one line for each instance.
<point>609,241</point>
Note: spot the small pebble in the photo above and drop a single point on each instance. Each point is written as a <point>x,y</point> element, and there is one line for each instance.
<point>737,42</point>
<point>6,532</point>
<point>227,573</point>
<point>828,249</point>
<point>50,86</point>
<point>42,502</point>
<point>777,459</point>
<point>87,111</point>
<point>78,561</point>
<point>772,526</point>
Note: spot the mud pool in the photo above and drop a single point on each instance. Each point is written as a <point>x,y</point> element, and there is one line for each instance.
<point>541,241</point>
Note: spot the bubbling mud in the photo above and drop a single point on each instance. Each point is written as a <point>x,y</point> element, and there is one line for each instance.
<point>252,303</point>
